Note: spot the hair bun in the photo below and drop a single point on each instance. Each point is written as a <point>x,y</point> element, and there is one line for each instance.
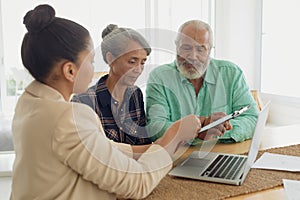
<point>109,28</point>
<point>39,18</point>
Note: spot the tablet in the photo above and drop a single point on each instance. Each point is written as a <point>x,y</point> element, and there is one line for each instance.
<point>224,119</point>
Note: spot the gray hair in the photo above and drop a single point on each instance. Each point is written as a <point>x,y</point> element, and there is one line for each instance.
<point>115,40</point>
<point>199,25</point>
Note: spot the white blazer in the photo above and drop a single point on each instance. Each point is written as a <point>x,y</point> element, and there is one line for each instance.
<point>63,153</point>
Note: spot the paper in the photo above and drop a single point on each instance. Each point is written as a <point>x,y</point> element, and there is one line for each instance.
<point>215,123</point>
<point>278,162</point>
<point>292,189</point>
<point>224,119</point>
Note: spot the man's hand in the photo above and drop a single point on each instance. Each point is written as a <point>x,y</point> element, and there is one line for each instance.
<point>216,131</point>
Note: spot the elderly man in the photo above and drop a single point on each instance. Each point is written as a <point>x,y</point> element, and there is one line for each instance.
<point>197,84</point>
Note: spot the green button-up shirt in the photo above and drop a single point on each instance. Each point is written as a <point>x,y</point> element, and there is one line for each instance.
<point>170,96</point>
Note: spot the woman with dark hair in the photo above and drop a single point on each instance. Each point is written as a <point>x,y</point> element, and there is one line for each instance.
<point>117,101</point>
<point>61,149</point>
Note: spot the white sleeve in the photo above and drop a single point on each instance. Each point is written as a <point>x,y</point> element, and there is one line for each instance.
<point>79,144</point>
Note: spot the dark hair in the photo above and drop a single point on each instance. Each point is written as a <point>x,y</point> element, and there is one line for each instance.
<point>50,39</point>
<point>116,39</point>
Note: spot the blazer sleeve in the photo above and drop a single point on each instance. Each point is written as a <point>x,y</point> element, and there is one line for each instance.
<point>81,145</point>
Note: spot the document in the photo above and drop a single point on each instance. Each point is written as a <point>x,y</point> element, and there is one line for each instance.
<point>224,119</point>
<point>292,189</point>
<point>278,162</point>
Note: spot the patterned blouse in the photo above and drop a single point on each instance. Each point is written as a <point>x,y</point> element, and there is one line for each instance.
<point>125,123</point>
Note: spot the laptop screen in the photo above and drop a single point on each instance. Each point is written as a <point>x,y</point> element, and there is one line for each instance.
<point>256,140</point>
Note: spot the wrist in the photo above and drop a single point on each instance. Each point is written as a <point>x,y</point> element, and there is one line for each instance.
<point>167,143</point>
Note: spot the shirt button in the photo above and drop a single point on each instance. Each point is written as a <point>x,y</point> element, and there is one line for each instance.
<point>121,128</point>
<point>115,102</point>
<point>122,110</point>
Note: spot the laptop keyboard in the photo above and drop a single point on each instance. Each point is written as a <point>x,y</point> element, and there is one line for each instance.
<point>225,166</point>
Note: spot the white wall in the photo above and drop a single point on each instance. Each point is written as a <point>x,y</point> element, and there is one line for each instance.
<point>2,79</point>
<point>284,111</point>
<point>238,39</point>
<point>237,35</point>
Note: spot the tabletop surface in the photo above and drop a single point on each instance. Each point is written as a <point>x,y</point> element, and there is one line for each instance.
<point>272,137</point>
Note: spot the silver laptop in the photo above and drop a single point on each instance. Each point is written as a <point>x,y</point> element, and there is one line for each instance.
<point>220,167</point>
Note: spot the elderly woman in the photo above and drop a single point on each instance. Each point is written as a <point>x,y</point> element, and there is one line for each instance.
<point>115,98</point>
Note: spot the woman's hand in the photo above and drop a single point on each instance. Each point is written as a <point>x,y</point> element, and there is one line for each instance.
<point>179,133</point>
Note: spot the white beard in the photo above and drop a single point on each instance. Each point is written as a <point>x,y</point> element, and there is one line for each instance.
<point>192,73</point>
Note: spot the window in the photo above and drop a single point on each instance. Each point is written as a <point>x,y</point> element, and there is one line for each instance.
<point>280,44</point>
<point>94,15</point>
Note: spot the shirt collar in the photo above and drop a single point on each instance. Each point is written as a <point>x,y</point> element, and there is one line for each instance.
<point>211,73</point>
<point>181,77</point>
<point>44,91</point>
<point>102,93</point>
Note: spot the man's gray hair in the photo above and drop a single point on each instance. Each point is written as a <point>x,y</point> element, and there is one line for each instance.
<point>199,25</point>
